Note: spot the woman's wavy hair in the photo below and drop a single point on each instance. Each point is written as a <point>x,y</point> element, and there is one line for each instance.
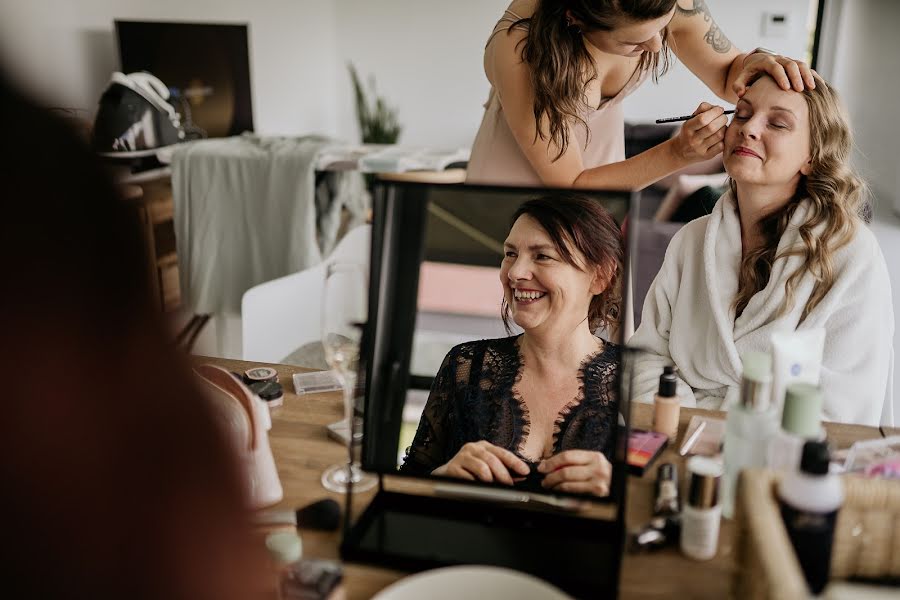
<point>560,65</point>
<point>837,202</point>
<point>576,222</point>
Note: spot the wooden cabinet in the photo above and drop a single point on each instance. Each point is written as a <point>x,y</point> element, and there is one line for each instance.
<point>153,198</point>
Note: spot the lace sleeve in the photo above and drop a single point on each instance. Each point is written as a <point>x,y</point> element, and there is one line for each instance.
<point>430,445</point>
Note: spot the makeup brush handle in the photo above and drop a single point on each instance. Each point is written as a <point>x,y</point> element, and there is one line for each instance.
<point>685,118</point>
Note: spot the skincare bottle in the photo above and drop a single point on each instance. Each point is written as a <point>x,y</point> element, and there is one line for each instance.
<point>749,426</point>
<point>667,404</point>
<point>800,421</point>
<point>702,512</point>
<point>810,499</point>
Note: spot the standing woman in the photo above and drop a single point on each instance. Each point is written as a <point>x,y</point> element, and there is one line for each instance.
<point>559,70</point>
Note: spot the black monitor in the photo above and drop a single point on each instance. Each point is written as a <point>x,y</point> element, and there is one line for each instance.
<point>206,67</point>
<point>462,228</point>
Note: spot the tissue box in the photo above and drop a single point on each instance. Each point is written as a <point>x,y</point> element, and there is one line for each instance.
<point>866,539</point>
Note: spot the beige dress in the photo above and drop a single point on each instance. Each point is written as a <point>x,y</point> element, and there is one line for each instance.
<point>497,159</point>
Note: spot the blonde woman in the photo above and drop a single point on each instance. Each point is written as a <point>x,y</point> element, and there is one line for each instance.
<point>560,69</point>
<point>784,249</point>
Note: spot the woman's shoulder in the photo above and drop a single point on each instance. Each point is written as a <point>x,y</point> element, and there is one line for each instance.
<point>862,250</point>
<point>609,356</point>
<point>466,350</point>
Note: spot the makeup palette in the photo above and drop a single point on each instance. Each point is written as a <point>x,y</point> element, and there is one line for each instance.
<point>643,448</point>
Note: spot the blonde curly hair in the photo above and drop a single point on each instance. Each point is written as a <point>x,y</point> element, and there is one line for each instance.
<point>836,196</point>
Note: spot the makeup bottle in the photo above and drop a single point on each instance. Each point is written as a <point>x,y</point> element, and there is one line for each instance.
<point>667,404</point>
<point>666,502</point>
<point>810,499</point>
<point>749,426</point>
<point>702,512</point>
<point>801,420</point>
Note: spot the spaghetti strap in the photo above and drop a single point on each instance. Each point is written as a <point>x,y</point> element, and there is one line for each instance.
<point>504,19</point>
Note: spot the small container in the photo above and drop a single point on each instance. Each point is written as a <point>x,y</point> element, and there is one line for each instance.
<point>260,374</point>
<point>270,392</point>
<point>702,511</point>
<point>316,382</point>
<point>667,404</point>
<point>284,547</point>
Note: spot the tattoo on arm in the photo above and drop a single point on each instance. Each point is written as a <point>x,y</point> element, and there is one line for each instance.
<point>714,36</point>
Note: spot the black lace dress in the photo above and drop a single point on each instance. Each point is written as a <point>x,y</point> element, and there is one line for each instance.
<point>473,398</point>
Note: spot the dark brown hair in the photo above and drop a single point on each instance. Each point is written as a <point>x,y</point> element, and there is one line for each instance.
<point>118,481</point>
<point>578,222</point>
<point>560,65</point>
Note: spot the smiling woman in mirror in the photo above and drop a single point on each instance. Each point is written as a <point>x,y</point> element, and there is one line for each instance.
<point>537,410</point>
<point>785,249</point>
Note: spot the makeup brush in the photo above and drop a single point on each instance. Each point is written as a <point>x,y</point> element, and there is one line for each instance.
<point>685,117</point>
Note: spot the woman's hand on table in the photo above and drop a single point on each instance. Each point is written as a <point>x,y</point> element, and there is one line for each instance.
<point>483,461</point>
<point>701,137</point>
<point>787,72</point>
<point>577,471</point>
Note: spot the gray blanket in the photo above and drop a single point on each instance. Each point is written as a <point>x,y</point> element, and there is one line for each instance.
<point>248,209</point>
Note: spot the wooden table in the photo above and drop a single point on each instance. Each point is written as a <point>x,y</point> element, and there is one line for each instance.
<point>303,451</point>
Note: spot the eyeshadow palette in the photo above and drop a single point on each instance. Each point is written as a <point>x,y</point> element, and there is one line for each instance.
<point>643,448</point>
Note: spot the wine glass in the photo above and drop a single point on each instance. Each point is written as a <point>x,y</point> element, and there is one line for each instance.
<point>344,308</point>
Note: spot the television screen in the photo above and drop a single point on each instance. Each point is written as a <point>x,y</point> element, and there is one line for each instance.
<point>205,66</point>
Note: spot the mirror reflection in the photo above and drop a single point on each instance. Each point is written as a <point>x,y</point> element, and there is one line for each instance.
<point>516,341</point>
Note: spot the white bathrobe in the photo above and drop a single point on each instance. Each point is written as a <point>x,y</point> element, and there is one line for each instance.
<point>689,320</point>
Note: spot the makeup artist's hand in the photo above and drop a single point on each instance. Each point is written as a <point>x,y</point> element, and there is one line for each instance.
<point>485,462</point>
<point>787,72</point>
<point>577,471</point>
<point>701,137</point>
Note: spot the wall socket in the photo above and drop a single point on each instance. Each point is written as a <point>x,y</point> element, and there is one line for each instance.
<point>775,24</point>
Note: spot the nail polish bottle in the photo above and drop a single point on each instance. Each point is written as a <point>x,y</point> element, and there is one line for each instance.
<point>667,404</point>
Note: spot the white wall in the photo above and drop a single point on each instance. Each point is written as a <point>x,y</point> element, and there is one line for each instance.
<point>64,51</point>
<point>679,92</point>
<point>865,71</point>
<point>426,56</point>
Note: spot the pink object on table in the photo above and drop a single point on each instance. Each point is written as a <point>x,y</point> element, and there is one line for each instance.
<point>460,289</point>
<point>245,420</point>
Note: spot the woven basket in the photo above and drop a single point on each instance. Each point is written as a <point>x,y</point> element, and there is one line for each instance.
<point>866,539</point>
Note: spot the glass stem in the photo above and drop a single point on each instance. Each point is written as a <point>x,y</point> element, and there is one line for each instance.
<point>347,387</point>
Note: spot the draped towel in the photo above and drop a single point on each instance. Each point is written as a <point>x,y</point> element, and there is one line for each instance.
<point>688,318</point>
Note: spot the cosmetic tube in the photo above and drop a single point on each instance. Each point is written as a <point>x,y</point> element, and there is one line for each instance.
<point>702,512</point>
<point>667,404</point>
<point>801,420</point>
<point>796,358</point>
